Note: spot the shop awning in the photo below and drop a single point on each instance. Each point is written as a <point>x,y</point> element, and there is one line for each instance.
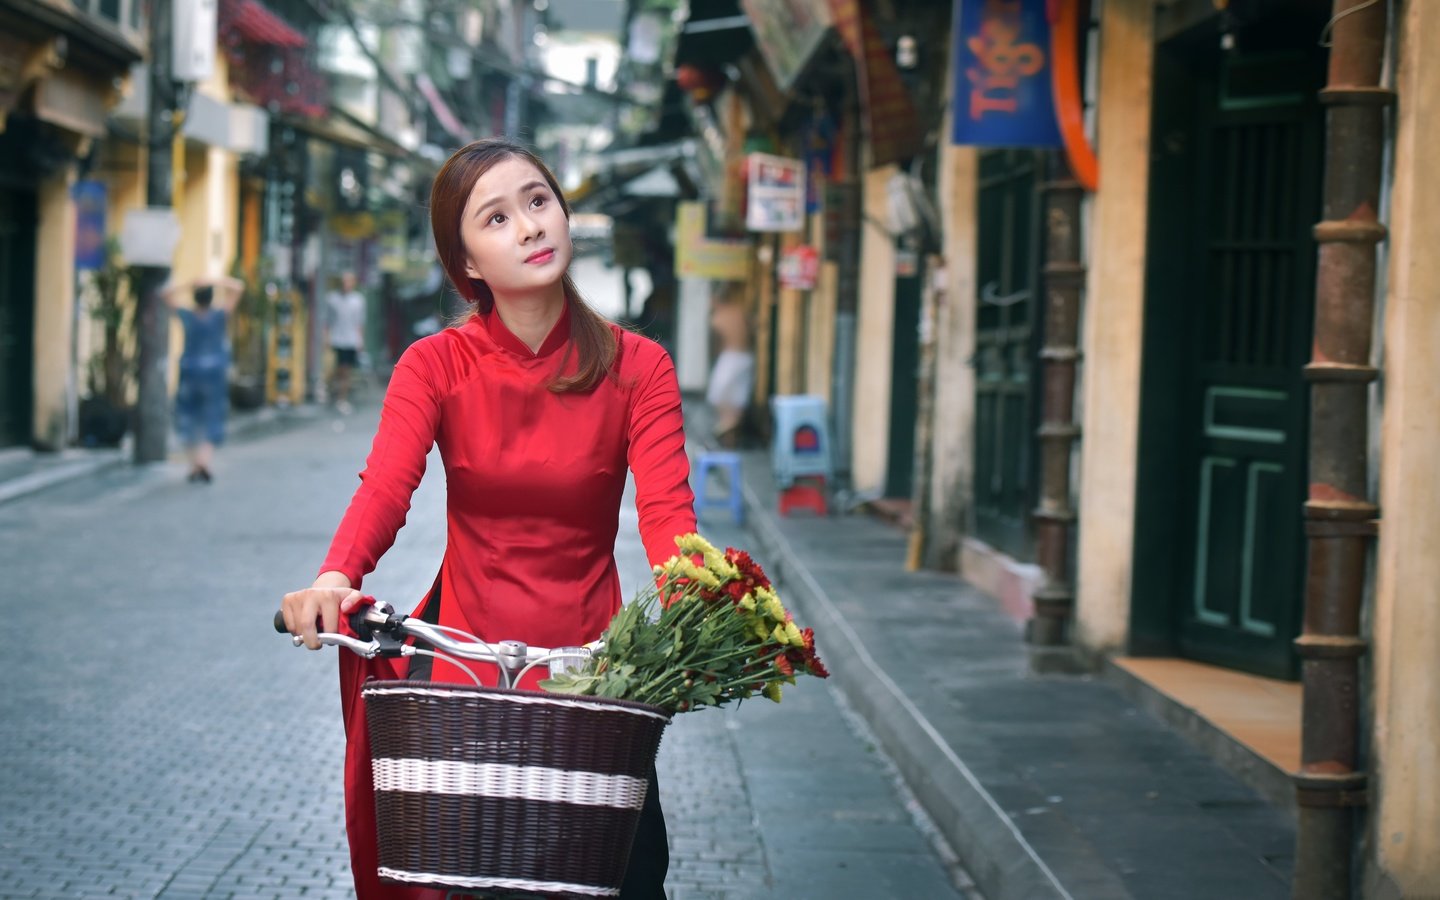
<point>664,171</point>
<point>256,23</point>
<point>339,127</point>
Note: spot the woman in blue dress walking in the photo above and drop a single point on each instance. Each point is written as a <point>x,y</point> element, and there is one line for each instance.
<point>202,398</point>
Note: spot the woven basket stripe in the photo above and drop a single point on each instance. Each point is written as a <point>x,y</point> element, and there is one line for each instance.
<point>513,884</point>
<point>527,698</point>
<point>439,776</point>
<point>492,726</point>
<point>454,838</point>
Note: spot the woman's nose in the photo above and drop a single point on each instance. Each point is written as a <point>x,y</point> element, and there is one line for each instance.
<point>530,228</point>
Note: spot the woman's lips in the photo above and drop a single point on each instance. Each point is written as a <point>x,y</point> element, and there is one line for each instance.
<point>540,256</point>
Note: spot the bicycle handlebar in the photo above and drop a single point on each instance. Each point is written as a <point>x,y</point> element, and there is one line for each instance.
<point>380,631</point>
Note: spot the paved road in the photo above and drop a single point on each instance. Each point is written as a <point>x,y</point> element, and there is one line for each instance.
<point>159,740</point>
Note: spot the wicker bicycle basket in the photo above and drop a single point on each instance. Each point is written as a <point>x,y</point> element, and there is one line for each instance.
<point>503,792</point>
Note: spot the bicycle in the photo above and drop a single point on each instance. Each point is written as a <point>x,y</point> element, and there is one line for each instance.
<point>494,788</point>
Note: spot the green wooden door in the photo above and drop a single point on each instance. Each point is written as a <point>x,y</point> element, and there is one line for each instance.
<point>1235,194</point>
<point>17,313</point>
<point>904,385</point>
<point>1006,343</point>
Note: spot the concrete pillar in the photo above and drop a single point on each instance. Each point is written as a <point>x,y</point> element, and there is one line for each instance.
<point>1114,313</point>
<point>820,332</point>
<point>874,339</point>
<point>953,429</point>
<point>54,311</point>
<point>1405,843</point>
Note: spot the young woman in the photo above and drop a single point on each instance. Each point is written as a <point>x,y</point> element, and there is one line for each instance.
<point>539,407</point>
<point>202,399</point>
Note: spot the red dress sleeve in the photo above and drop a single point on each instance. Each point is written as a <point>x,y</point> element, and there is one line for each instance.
<point>663,499</point>
<point>409,420</point>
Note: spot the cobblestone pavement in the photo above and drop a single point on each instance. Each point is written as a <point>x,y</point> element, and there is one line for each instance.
<point>160,741</point>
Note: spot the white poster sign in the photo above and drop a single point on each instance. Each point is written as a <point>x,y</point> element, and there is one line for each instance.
<point>149,236</point>
<point>775,193</point>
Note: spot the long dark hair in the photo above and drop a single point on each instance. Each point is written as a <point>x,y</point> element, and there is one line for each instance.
<point>591,335</point>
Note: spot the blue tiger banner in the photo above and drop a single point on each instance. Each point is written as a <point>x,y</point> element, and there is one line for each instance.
<point>1003,94</point>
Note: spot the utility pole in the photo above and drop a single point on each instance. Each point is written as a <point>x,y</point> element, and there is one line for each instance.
<point>152,407</point>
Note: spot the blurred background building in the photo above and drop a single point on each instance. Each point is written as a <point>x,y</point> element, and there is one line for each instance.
<point>1124,309</point>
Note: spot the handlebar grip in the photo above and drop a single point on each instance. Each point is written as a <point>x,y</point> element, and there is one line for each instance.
<point>280,622</point>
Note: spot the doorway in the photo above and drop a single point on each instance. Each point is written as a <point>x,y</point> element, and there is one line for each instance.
<point>1006,348</point>
<point>1234,193</point>
<point>18,211</point>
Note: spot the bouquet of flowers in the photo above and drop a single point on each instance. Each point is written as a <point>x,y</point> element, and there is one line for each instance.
<point>710,630</point>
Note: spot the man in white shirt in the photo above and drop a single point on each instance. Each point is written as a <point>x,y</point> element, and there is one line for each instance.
<point>345,332</point>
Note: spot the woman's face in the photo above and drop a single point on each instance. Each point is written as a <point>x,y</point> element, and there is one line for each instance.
<point>516,236</point>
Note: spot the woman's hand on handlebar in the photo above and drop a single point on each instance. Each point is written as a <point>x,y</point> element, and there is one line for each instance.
<point>322,603</point>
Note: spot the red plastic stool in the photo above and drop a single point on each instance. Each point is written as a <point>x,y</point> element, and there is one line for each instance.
<point>806,493</point>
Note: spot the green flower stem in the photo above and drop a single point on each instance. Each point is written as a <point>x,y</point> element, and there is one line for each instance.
<point>672,677</point>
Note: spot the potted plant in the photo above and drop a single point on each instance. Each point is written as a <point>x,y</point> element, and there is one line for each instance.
<point>248,339</point>
<point>105,413</point>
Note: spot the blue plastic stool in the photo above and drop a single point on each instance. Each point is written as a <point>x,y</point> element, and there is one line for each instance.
<point>729,463</point>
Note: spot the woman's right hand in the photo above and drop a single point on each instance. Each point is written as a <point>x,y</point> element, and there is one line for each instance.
<point>320,605</point>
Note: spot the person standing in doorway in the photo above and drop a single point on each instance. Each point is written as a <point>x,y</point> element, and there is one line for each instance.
<point>732,378</point>
<point>346,336</point>
<point>202,400</point>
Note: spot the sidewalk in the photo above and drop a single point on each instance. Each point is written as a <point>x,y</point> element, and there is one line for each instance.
<point>1045,785</point>
<point>24,471</point>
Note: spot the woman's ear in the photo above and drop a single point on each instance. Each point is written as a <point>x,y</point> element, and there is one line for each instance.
<point>472,272</point>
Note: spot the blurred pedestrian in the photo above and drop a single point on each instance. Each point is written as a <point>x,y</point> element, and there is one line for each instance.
<point>539,407</point>
<point>345,333</point>
<point>202,399</point>
<point>732,377</point>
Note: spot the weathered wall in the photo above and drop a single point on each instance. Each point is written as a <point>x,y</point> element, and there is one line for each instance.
<point>1405,844</point>
<point>54,310</point>
<point>1114,312</point>
<point>953,428</point>
<point>870,432</point>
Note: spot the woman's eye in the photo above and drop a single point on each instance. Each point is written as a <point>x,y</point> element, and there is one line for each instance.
<point>538,201</point>
<point>497,219</point>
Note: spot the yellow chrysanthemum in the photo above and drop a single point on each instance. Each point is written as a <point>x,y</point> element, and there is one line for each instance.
<point>694,543</point>
<point>773,609</point>
<point>779,635</point>
<point>701,574</point>
<point>772,691</point>
<point>747,602</point>
<point>760,629</point>
<point>682,567</point>
<point>721,567</point>
<point>792,633</point>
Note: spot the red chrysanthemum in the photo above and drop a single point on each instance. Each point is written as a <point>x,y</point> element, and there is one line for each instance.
<point>749,569</point>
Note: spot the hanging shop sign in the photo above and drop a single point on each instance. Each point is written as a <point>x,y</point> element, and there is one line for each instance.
<point>90,204</point>
<point>775,193</point>
<point>788,33</point>
<point>799,268</point>
<point>1003,75</point>
<point>697,255</point>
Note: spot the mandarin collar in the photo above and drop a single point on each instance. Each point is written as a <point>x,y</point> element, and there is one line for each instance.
<point>506,339</point>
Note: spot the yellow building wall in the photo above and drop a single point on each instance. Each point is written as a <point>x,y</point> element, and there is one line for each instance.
<point>54,311</point>
<point>1405,845</point>
<point>870,431</point>
<point>1114,314</point>
<point>820,318</point>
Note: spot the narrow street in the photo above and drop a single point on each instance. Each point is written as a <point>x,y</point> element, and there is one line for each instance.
<point>163,742</point>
